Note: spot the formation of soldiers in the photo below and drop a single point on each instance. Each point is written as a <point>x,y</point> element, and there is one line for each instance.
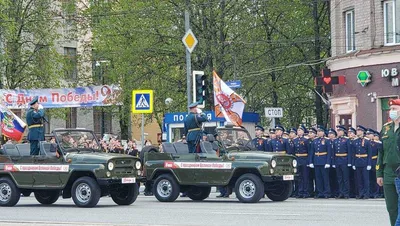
<point>332,163</point>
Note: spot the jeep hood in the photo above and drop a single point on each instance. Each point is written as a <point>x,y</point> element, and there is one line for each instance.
<point>253,155</point>
<point>95,157</point>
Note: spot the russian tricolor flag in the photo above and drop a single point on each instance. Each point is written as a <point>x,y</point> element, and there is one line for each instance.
<point>11,125</point>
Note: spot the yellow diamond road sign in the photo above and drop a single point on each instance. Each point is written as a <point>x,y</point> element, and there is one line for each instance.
<point>189,40</point>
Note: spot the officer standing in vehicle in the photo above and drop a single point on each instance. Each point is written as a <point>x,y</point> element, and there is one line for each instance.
<point>362,162</point>
<point>389,160</point>
<point>34,120</point>
<point>279,144</point>
<point>342,161</point>
<point>192,127</point>
<point>258,141</point>
<point>301,150</point>
<point>320,158</point>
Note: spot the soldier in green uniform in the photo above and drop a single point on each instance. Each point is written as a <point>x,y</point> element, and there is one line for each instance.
<point>34,120</point>
<point>389,160</point>
<point>192,127</point>
<point>65,142</point>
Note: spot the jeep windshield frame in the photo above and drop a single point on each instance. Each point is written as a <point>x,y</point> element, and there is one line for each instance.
<point>234,137</point>
<point>76,140</point>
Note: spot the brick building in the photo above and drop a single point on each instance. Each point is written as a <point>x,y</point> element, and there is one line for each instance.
<point>365,38</point>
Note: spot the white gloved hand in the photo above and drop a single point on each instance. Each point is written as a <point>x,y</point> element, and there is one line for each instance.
<point>349,165</point>
<point>327,166</point>
<point>199,111</point>
<point>354,167</point>
<point>311,165</point>
<point>40,106</point>
<point>333,166</point>
<point>368,167</point>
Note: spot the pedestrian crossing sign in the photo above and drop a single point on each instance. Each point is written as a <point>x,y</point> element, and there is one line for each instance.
<point>142,101</point>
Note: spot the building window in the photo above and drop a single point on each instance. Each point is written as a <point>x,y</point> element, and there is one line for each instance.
<point>71,118</point>
<point>350,35</point>
<point>98,122</point>
<point>391,11</point>
<point>71,65</point>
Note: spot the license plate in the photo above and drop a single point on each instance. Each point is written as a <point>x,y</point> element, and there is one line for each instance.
<point>128,180</point>
<point>288,177</point>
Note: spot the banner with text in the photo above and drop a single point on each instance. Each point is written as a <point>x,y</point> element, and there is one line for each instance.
<point>66,97</point>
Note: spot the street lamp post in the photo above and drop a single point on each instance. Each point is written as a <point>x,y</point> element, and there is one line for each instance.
<point>98,64</point>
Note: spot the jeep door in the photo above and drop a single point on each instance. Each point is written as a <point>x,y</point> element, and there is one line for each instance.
<point>183,167</point>
<point>213,170</point>
<point>52,172</point>
<point>21,169</point>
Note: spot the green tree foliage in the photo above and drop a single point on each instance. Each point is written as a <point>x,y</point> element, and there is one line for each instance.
<point>275,47</point>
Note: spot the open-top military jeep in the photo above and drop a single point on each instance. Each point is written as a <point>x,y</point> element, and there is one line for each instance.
<point>74,166</point>
<point>230,161</point>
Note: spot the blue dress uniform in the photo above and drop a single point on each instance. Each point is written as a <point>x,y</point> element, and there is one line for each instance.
<point>333,183</point>
<point>352,173</point>
<point>362,163</point>
<point>320,158</point>
<point>279,144</point>
<point>342,161</point>
<point>258,142</point>
<point>192,128</point>
<point>301,150</point>
<point>34,120</point>
<point>311,179</point>
<point>376,146</point>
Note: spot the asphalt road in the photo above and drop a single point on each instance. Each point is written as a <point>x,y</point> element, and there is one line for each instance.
<point>212,211</point>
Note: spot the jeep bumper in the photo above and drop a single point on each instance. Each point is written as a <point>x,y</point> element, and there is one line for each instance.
<point>110,181</point>
<point>279,178</point>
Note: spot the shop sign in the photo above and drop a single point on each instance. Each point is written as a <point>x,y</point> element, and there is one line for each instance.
<point>391,74</point>
<point>364,77</point>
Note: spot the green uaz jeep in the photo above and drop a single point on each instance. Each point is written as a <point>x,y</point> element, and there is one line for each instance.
<point>231,161</point>
<point>74,166</point>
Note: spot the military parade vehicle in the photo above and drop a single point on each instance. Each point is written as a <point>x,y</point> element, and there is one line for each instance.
<point>74,166</point>
<point>229,161</point>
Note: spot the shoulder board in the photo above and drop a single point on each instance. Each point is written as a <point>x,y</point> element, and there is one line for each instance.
<point>377,141</point>
<point>355,138</point>
<point>346,137</point>
<point>306,137</point>
<point>366,138</point>
<point>388,123</point>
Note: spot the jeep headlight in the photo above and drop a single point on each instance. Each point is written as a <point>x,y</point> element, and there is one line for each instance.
<point>138,165</point>
<point>294,163</point>
<point>110,166</point>
<point>273,163</point>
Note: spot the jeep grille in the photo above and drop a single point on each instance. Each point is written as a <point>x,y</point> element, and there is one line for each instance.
<point>124,166</point>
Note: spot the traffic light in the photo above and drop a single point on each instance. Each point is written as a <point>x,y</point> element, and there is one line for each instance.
<point>199,88</point>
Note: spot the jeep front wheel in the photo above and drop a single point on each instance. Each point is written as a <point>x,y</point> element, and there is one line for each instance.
<point>166,189</point>
<point>198,193</point>
<point>9,192</point>
<point>279,191</point>
<point>47,197</point>
<point>125,195</point>
<point>249,188</point>
<point>85,192</point>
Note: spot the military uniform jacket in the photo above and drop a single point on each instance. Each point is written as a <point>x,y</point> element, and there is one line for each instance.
<point>258,143</point>
<point>35,118</point>
<point>321,152</point>
<point>279,145</point>
<point>192,126</point>
<point>301,150</point>
<point>375,147</point>
<point>342,151</point>
<point>388,156</point>
<point>361,152</point>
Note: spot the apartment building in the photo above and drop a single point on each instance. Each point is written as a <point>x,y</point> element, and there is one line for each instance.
<point>365,37</point>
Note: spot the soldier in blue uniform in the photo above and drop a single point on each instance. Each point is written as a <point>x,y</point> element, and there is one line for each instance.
<point>376,145</point>
<point>301,150</point>
<point>352,174</point>
<point>362,162</point>
<point>312,133</point>
<point>258,142</point>
<point>34,120</point>
<point>272,134</point>
<point>279,144</point>
<point>332,134</point>
<point>320,158</point>
<point>292,136</point>
<point>192,127</point>
<point>342,161</point>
